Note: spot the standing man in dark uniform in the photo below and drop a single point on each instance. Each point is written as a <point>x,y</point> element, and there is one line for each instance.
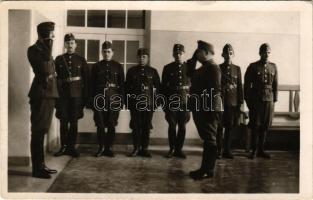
<point>142,84</point>
<point>107,79</point>
<point>72,71</point>
<point>260,94</point>
<point>42,94</point>
<point>175,82</point>
<point>232,95</point>
<point>205,80</point>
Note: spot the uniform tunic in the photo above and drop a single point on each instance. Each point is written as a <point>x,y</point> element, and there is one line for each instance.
<point>107,78</point>
<point>232,93</point>
<point>175,82</point>
<point>73,75</point>
<point>43,90</point>
<point>260,93</point>
<point>207,77</point>
<point>142,81</point>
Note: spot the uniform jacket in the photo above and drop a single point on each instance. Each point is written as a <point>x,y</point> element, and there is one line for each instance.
<point>260,82</point>
<point>232,91</point>
<point>44,84</point>
<point>108,75</point>
<point>142,80</point>
<point>206,78</point>
<point>70,67</point>
<point>175,80</point>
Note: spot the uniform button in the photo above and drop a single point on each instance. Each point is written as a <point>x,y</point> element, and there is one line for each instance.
<point>179,77</point>
<point>70,62</point>
<point>180,83</point>
<point>228,67</point>
<point>142,69</point>
<point>70,57</point>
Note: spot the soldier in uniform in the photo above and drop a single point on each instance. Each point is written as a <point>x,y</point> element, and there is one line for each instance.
<point>107,79</point>
<point>142,84</point>
<point>42,94</point>
<point>175,82</point>
<point>260,95</point>
<point>232,95</point>
<point>206,79</point>
<point>72,71</point>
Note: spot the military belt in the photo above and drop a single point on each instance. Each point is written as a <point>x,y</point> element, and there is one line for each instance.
<point>110,85</point>
<point>71,79</point>
<point>185,87</point>
<point>51,76</point>
<point>267,86</point>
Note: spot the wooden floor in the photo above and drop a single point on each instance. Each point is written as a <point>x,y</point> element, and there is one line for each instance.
<point>122,174</point>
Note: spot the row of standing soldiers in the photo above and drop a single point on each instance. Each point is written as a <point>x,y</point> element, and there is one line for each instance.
<point>69,86</point>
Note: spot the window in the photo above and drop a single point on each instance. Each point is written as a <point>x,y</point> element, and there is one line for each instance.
<point>124,28</point>
<point>76,17</point>
<point>116,18</point>
<point>96,18</point>
<point>136,19</point>
<point>125,19</point>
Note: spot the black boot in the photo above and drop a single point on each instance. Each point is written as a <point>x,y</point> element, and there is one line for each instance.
<point>261,153</point>
<point>71,150</point>
<point>37,156</point>
<point>181,134</point>
<point>100,135</point>
<point>136,140</point>
<point>47,169</point>
<point>219,141</point>
<point>227,144</point>
<point>209,157</point>
<point>171,140</point>
<point>145,143</point>
<point>109,140</point>
<point>63,138</point>
<point>254,142</point>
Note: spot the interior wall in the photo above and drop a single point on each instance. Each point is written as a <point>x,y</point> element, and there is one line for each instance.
<point>18,111</point>
<point>237,28</point>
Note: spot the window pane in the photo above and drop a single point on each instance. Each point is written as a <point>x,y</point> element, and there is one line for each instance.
<point>76,18</point>
<point>118,47</point>
<point>132,47</point>
<point>80,49</point>
<point>96,18</point>
<point>116,18</point>
<point>93,51</point>
<point>136,19</point>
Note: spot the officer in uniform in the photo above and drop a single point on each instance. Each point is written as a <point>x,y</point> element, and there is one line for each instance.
<point>72,71</point>
<point>232,94</point>
<point>175,82</point>
<point>142,84</point>
<point>260,95</point>
<point>42,94</point>
<point>205,80</point>
<point>107,79</point>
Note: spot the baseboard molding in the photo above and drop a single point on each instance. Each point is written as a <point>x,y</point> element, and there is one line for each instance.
<point>18,161</point>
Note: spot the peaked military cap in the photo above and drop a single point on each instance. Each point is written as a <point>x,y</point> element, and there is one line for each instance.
<point>264,47</point>
<point>107,45</point>
<point>227,48</point>
<point>44,28</point>
<point>69,37</point>
<point>205,46</point>
<point>179,47</point>
<point>142,51</point>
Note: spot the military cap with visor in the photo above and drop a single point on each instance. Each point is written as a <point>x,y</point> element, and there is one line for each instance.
<point>44,29</point>
<point>205,46</point>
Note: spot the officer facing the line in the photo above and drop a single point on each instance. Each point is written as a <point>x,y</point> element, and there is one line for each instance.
<point>205,80</point>
<point>42,95</point>
<point>175,86</point>
<point>260,92</point>
<point>72,71</point>
<point>232,95</point>
<point>107,80</point>
<point>142,84</point>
